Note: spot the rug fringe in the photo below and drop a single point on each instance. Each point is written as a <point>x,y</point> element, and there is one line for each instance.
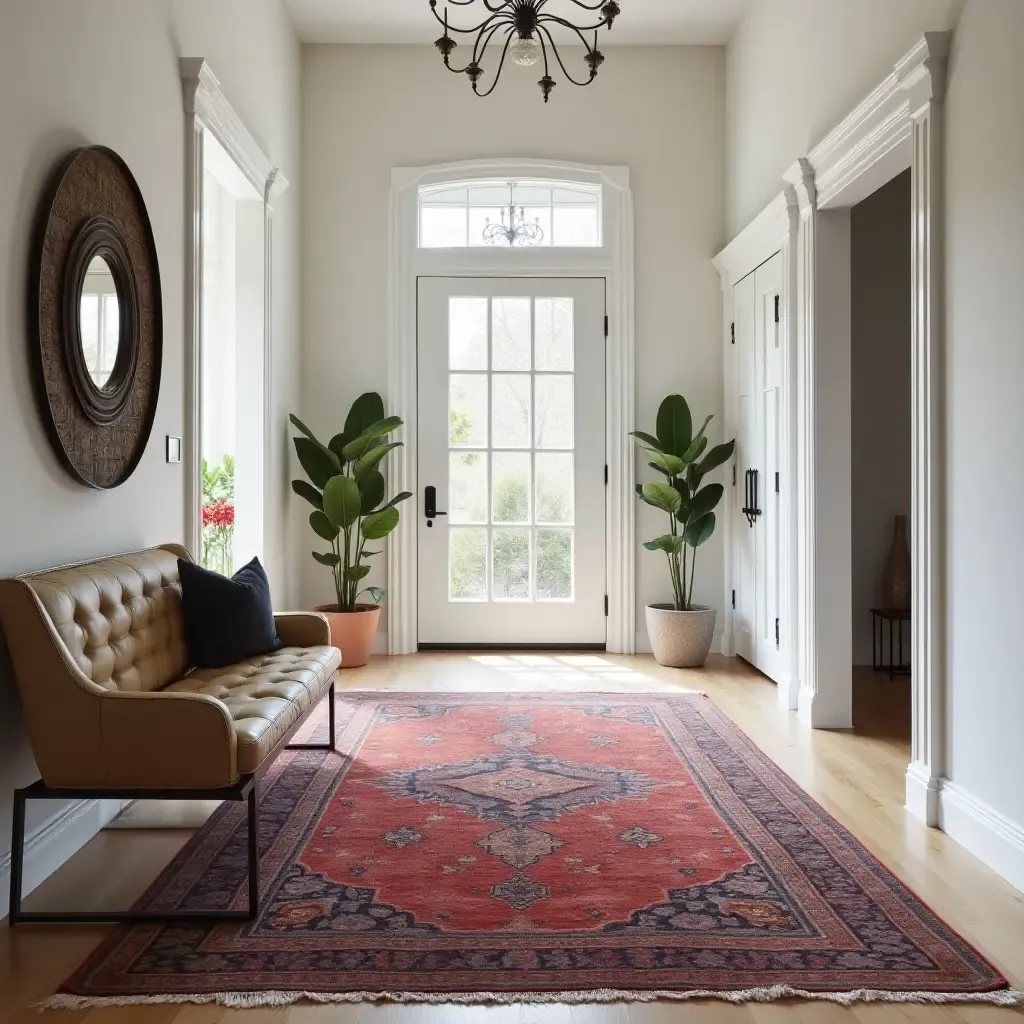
<point>254,1000</point>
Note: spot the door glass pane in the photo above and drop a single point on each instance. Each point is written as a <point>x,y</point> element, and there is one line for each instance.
<point>467,410</point>
<point>554,487</point>
<point>554,411</point>
<point>467,564</point>
<point>511,565</point>
<point>510,332</point>
<point>554,565</point>
<point>467,488</point>
<point>575,226</point>
<point>554,334</point>
<point>511,497</point>
<point>467,334</point>
<point>511,409</point>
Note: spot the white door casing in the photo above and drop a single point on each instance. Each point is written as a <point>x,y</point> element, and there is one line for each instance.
<point>511,437</point>
<point>899,125</point>
<point>613,260</point>
<point>743,580</point>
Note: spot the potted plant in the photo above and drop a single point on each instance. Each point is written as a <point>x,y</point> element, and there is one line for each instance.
<point>681,632</point>
<point>346,489</point>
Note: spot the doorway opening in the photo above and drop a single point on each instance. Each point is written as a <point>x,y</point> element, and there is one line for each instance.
<point>231,364</point>
<point>881,446</point>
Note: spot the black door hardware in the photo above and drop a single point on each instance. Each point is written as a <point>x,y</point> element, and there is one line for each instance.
<point>750,509</point>
<point>430,505</point>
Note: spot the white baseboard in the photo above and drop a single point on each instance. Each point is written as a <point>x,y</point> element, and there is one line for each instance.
<point>643,643</point>
<point>922,799</point>
<point>990,836</point>
<point>54,842</point>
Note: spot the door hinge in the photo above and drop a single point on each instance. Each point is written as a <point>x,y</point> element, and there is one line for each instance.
<point>606,474</point>
<point>606,325</point>
<point>776,632</point>
<point>776,309</point>
<point>734,599</point>
<point>606,605</point>
<point>734,474</point>
<point>776,483</point>
<point>732,333</point>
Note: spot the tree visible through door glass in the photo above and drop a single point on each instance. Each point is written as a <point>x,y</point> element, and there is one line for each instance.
<point>511,483</point>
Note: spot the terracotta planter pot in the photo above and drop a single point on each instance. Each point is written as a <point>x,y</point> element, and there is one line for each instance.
<point>352,632</point>
<point>680,639</point>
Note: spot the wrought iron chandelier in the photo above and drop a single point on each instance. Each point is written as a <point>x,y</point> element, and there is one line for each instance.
<point>524,29</point>
<point>517,231</point>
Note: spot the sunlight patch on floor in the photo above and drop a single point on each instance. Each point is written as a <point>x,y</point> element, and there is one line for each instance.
<point>566,672</point>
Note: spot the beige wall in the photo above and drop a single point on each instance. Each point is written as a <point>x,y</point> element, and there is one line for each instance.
<point>106,71</point>
<point>880,391</point>
<point>659,110</point>
<point>795,69</point>
<point>984,422</point>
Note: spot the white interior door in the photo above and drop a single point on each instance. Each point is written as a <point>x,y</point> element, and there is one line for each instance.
<point>511,436</point>
<point>757,526</point>
<point>744,541</point>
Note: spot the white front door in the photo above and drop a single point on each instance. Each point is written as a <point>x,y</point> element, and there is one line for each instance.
<point>756,510</point>
<point>511,436</point>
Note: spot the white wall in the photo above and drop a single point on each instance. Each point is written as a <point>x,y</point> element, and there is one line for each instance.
<point>880,392</point>
<point>106,71</point>
<point>658,110</point>
<point>985,425</point>
<point>795,68</point>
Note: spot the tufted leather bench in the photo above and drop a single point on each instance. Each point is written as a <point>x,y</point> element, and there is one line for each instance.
<point>113,708</point>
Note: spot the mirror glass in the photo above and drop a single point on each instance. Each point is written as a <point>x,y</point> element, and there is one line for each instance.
<point>99,321</point>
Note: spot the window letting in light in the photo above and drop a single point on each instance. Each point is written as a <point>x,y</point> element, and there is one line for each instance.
<point>503,214</point>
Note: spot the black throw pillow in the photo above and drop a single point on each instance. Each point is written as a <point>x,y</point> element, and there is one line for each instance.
<point>226,620</point>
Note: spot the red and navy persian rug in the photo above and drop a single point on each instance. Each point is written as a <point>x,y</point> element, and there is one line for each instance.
<point>514,847</point>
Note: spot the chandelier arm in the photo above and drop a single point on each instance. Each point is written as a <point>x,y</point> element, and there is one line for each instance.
<point>581,3</point>
<point>578,29</point>
<point>467,31</point>
<point>473,59</point>
<point>558,57</point>
<point>501,64</point>
<point>478,50</point>
<point>544,51</point>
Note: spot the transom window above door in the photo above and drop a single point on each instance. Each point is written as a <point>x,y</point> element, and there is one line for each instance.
<point>523,214</point>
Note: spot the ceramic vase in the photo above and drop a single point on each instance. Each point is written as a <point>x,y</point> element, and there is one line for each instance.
<point>896,576</point>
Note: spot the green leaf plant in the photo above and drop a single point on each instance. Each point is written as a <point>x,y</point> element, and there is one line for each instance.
<point>347,491</point>
<point>683,461</point>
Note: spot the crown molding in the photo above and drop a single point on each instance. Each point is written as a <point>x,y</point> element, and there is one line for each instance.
<point>205,100</point>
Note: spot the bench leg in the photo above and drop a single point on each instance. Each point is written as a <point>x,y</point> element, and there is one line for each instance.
<point>17,855</point>
<point>254,852</point>
<point>19,916</point>
<point>330,744</point>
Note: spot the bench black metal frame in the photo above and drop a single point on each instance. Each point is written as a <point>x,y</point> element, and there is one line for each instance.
<point>246,788</point>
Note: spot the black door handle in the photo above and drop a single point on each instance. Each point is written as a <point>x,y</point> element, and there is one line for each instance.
<point>430,505</point>
<point>750,509</point>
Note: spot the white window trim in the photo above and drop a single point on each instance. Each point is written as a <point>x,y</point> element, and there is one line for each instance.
<point>612,261</point>
<point>207,109</point>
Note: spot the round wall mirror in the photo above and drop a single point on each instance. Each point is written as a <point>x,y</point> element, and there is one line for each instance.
<point>99,321</point>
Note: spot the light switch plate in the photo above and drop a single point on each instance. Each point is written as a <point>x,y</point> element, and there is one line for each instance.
<point>173,449</point>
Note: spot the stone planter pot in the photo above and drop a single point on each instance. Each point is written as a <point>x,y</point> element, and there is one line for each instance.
<point>352,632</point>
<point>680,639</point>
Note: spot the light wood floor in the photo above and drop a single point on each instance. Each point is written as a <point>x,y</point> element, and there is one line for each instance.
<point>857,776</point>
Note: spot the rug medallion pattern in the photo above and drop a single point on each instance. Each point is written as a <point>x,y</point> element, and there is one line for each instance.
<point>536,843</point>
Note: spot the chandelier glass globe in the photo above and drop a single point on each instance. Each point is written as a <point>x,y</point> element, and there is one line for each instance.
<point>526,52</point>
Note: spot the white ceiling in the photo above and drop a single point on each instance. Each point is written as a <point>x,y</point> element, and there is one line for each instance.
<point>669,22</point>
